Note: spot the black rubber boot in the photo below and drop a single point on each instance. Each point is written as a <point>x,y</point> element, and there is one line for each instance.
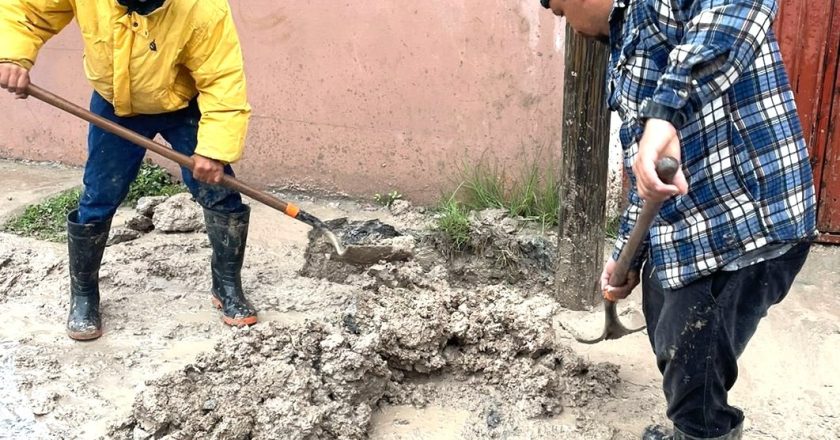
<point>86,244</point>
<point>659,432</point>
<point>228,233</point>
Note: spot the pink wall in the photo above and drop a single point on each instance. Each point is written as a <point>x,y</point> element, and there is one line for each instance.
<point>358,97</point>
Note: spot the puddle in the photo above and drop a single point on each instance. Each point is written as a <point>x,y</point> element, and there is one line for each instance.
<point>16,418</point>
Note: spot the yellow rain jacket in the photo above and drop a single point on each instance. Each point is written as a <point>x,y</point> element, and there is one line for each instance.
<point>147,64</point>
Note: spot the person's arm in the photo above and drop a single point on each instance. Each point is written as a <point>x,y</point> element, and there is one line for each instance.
<point>721,39</point>
<point>25,25</point>
<point>214,59</point>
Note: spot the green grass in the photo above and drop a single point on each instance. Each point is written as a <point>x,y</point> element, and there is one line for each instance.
<point>152,180</point>
<point>453,222</point>
<point>531,193</point>
<point>46,220</point>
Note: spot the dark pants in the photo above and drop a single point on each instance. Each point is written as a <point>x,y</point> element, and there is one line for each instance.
<point>699,331</point>
<point>113,163</point>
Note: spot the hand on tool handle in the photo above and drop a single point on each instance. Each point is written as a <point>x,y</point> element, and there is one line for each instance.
<point>660,139</point>
<point>615,293</point>
<point>207,170</point>
<point>617,280</point>
<point>14,78</point>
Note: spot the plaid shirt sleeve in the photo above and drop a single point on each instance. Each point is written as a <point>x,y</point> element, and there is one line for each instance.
<point>721,40</point>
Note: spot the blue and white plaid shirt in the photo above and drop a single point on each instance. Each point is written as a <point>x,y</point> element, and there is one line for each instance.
<point>750,181</point>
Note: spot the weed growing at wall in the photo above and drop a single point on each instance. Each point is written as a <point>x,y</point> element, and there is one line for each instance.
<point>531,193</point>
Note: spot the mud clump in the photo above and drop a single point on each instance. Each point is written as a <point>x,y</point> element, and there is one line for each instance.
<point>178,213</point>
<point>493,336</point>
<point>121,235</point>
<point>500,249</point>
<point>267,382</point>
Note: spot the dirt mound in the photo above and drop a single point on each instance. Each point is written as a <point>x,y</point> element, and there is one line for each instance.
<point>268,382</point>
<point>322,380</point>
<point>496,335</point>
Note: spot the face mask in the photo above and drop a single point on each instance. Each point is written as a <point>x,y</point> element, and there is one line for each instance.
<point>142,7</point>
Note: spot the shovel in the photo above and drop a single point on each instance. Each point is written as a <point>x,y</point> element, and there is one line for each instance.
<point>666,168</point>
<point>356,254</point>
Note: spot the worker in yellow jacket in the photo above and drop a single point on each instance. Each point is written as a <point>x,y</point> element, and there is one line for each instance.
<point>168,67</point>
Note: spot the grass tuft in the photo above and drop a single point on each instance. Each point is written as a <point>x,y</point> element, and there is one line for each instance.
<point>46,220</point>
<point>532,193</point>
<point>453,222</point>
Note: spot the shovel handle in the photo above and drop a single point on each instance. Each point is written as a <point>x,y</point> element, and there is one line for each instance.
<point>666,169</point>
<point>181,159</point>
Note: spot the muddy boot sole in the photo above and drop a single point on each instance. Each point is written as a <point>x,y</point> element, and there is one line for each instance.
<point>234,322</point>
<point>84,336</point>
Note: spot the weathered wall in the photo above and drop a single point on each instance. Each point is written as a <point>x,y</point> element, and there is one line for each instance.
<point>359,97</point>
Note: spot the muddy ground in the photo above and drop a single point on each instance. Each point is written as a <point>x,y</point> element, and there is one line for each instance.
<point>442,346</point>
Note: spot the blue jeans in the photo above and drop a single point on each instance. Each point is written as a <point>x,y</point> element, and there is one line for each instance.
<point>113,162</point>
<point>699,331</point>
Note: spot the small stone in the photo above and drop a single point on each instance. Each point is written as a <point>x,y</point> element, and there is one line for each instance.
<point>209,405</point>
<point>140,223</point>
<point>146,205</point>
<point>121,235</point>
<point>494,419</point>
<point>178,213</point>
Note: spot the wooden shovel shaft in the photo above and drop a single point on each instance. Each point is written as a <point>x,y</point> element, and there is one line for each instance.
<point>181,159</point>
<point>666,168</point>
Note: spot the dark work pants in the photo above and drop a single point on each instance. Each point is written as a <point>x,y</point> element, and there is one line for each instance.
<point>113,163</point>
<point>698,332</point>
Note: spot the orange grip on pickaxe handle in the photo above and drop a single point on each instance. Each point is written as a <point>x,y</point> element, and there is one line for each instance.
<point>666,169</point>
<point>181,159</point>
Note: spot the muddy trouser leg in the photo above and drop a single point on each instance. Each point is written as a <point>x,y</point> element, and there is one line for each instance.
<point>182,134</point>
<point>227,220</point>
<point>111,166</point>
<point>698,332</point>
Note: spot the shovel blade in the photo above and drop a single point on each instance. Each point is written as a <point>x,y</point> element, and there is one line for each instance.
<point>367,255</point>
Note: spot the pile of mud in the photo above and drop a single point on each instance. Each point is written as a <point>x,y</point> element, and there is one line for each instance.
<point>324,379</point>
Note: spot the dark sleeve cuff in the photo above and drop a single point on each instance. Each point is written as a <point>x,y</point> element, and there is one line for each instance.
<point>651,109</point>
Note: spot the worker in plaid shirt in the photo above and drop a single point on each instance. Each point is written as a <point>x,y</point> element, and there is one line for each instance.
<point>703,81</point>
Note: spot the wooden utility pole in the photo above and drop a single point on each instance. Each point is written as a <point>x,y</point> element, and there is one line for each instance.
<point>583,173</point>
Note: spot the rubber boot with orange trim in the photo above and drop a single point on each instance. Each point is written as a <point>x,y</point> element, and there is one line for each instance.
<point>228,233</point>
<point>85,244</point>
